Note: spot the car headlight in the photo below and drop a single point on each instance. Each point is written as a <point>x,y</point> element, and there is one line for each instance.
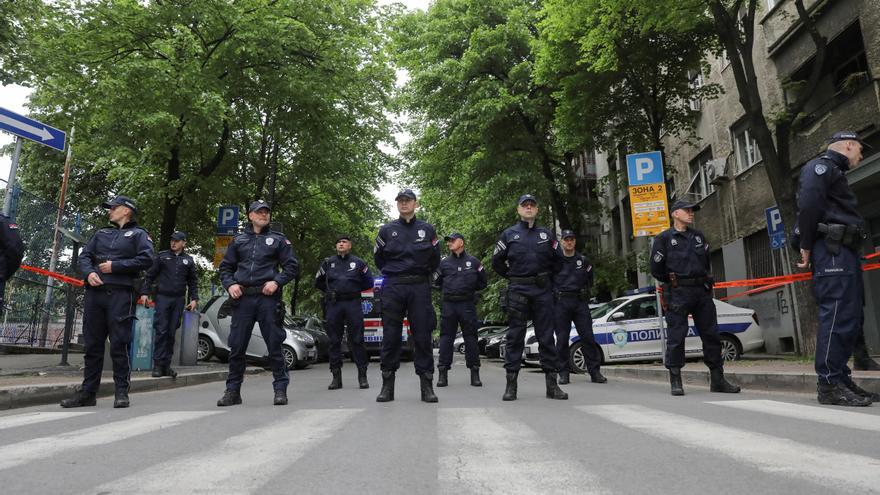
<point>495,340</point>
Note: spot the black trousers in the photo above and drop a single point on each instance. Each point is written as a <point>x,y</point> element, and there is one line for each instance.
<point>108,313</point>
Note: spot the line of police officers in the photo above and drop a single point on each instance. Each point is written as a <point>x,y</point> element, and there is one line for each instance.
<point>547,285</point>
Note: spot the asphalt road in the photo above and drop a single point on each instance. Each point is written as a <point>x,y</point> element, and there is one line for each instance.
<point>621,437</point>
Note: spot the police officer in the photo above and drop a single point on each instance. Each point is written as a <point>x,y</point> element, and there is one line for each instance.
<point>680,260</point>
<point>528,256</point>
<point>831,232</point>
<point>174,275</point>
<point>11,254</point>
<point>571,287</point>
<point>111,261</point>
<point>342,278</point>
<point>250,274</point>
<point>407,253</point>
<point>459,277</point>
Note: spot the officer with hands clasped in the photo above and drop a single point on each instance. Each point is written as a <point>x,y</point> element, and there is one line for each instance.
<point>342,277</point>
<point>831,234</point>
<point>459,277</point>
<point>571,287</point>
<point>680,260</point>
<point>111,262</point>
<point>173,280</point>
<point>407,252</point>
<point>257,265</point>
<point>528,256</point>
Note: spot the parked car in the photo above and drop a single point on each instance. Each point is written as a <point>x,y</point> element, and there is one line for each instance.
<point>313,326</point>
<point>495,343</point>
<point>298,347</point>
<point>627,329</point>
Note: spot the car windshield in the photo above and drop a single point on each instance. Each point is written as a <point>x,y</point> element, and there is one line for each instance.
<point>605,308</point>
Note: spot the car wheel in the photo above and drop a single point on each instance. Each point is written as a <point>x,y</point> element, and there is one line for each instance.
<point>461,349</point>
<point>731,350</point>
<point>205,349</point>
<point>290,359</point>
<point>577,360</point>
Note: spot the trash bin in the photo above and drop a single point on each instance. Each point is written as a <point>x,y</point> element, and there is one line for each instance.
<point>186,340</point>
<point>142,339</point>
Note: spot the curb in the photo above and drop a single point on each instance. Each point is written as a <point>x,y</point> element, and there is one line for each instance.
<point>34,395</point>
<point>790,382</point>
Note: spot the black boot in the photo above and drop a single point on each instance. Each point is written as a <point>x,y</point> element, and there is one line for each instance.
<point>80,399</point>
<point>427,388</point>
<point>563,377</point>
<point>851,385</point>
<point>120,401</point>
<point>387,392</point>
<point>443,377</point>
<point>230,398</point>
<point>510,390</point>
<point>861,359</point>
<point>836,394</point>
<point>596,376</point>
<point>280,398</point>
<point>475,377</point>
<point>157,370</point>
<point>336,383</point>
<point>717,382</point>
<point>553,390</point>
<point>675,381</point>
<point>169,371</point>
<point>362,378</point>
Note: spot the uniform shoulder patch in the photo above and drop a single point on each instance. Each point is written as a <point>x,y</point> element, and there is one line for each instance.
<point>820,168</point>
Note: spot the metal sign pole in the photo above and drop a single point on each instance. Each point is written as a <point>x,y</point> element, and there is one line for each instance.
<point>13,171</point>
<point>660,321</point>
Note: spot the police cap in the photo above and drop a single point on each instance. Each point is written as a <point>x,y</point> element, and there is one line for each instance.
<point>405,193</point>
<point>453,236</point>
<point>681,204</point>
<point>567,233</point>
<point>178,236</point>
<point>848,136</point>
<point>527,197</point>
<point>120,201</point>
<point>258,205</point>
<point>343,237</point>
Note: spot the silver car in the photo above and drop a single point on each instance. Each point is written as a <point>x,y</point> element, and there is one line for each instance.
<point>298,347</point>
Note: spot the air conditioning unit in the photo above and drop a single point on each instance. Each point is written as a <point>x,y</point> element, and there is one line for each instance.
<point>695,105</point>
<point>716,171</point>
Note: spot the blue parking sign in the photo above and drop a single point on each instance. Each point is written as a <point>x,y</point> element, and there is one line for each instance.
<point>227,220</point>
<point>775,228</point>
<point>645,168</point>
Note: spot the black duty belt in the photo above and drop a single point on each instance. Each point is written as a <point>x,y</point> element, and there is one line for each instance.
<point>458,297</point>
<point>539,279</point>
<point>255,290</point>
<point>343,296</point>
<point>171,294</point>
<point>409,279</point>
<point>693,281</point>
<point>569,293</point>
<point>848,235</point>
<point>111,287</point>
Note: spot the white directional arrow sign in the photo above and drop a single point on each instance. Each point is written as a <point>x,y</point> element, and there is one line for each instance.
<point>31,129</point>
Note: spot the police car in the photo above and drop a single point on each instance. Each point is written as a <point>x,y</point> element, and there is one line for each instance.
<point>627,330</point>
<point>373,326</point>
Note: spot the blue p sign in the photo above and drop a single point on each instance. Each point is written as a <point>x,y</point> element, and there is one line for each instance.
<point>645,168</point>
<point>227,220</point>
<point>774,221</point>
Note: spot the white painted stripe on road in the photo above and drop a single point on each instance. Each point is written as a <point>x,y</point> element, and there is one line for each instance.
<point>487,451</point>
<point>834,417</point>
<point>767,453</point>
<point>38,448</point>
<point>240,464</point>
<point>37,417</point>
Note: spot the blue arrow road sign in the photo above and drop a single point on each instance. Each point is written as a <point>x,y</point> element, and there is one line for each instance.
<point>32,129</point>
<point>645,168</point>
<point>227,220</point>
<point>775,228</point>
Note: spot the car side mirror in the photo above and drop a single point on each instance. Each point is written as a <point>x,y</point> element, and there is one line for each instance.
<point>618,316</point>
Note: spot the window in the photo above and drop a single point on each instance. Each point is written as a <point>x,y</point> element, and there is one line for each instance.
<point>724,59</point>
<point>771,4</point>
<point>700,186</point>
<point>640,308</point>
<point>746,148</point>
<point>761,259</point>
<point>695,82</point>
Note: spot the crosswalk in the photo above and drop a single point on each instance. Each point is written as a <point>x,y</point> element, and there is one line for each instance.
<point>478,449</point>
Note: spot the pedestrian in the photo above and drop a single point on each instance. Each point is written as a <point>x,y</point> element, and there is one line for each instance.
<point>111,262</point>
<point>11,254</point>
<point>528,256</point>
<point>571,288</point>
<point>173,280</point>
<point>407,253</point>
<point>342,277</point>
<point>831,234</point>
<point>680,260</point>
<point>459,277</point>
<point>257,265</point>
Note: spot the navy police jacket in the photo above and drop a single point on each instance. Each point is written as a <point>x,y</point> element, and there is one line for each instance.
<point>253,259</point>
<point>686,254</point>
<point>460,275</point>
<point>576,274</point>
<point>526,252</point>
<point>407,248</point>
<point>346,274</point>
<point>11,248</point>
<point>824,196</point>
<point>172,275</point>
<point>129,249</point>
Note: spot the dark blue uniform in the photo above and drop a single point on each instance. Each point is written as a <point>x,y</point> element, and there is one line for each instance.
<point>173,275</point>
<point>109,309</point>
<point>684,258</point>
<point>11,253</point>
<point>407,253</point>
<point>571,287</point>
<point>342,278</point>
<point>826,198</point>
<point>251,260</point>
<point>459,277</point>
<point>528,258</point>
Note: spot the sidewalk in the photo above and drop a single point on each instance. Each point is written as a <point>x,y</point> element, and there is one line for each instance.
<point>34,379</point>
<point>755,373</point>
